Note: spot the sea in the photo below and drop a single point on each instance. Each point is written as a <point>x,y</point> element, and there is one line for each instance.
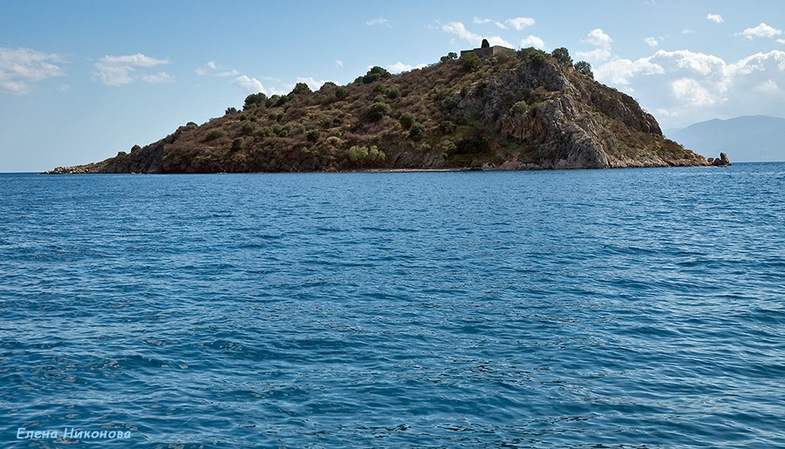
<point>627,308</point>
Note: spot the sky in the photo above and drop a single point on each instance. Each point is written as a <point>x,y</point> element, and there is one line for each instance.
<point>81,80</point>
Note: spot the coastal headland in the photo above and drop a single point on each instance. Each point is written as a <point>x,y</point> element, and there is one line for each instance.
<point>491,108</point>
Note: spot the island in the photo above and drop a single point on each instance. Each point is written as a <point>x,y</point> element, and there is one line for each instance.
<point>491,108</point>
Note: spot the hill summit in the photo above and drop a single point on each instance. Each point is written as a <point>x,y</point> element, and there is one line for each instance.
<point>503,109</point>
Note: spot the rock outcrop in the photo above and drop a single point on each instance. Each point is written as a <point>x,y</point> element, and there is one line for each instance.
<point>515,110</point>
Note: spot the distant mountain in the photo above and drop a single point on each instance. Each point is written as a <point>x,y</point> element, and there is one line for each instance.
<point>492,109</point>
<point>743,139</point>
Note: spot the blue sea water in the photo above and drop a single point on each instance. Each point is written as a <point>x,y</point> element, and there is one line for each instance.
<point>571,309</point>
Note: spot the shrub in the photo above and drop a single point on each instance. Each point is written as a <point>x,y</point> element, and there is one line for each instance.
<point>272,100</point>
<point>215,133</point>
<point>562,55</point>
<point>300,89</point>
<point>375,74</point>
<point>254,100</point>
<point>416,130</point>
<point>340,93</point>
<point>584,68</point>
<point>231,111</point>
<point>237,143</point>
<point>393,92</point>
<point>313,135</point>
<point>537,59</point>
<point>470,62</point>
<point>361,156</point>
<point>191,125</point>
<point>264,131</point>
<point>407,119</point>
<point>249,128</point>
<point>378,110</point>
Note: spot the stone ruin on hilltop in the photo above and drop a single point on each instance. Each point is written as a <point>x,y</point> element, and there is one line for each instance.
<point>486,50</point>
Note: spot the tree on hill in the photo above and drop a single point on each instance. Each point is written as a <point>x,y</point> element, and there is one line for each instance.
<point>584,68</point>
<point>562,55</point>
<point>375,74</point>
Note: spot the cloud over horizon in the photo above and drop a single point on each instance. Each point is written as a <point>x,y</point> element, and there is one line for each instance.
<point>686,86</point>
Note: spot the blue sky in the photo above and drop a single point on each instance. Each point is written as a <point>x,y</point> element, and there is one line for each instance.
<point>81,80</point>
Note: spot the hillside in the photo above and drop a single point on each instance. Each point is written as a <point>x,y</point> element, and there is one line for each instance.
<point>523,109</point>
<point>747,139</point>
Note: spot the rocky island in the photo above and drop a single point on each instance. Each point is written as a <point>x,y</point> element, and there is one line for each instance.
<point>490,108</point>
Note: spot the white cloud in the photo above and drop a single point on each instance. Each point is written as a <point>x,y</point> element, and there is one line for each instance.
<point>517,23</point>
<point>399,67</point>
<point>480,21</point>
<point>120,70</point>
<point>690,92</point>
<point>250,85</point>
<point>338,63</point>
<point>378,21</point>
<point>716,18</point>
<point>651,42</point>
<point>623,71</point>
<point>685,87</point>
<point>597,55</point>
<point>154,78</point>
<point>598,38</point>
<point>602,41</point>
<point>460,30</point>
<point>761,30</point>
<point>20,67</point>
<point>532,41</point>
<point>213,69</point>
<point>520,23</point>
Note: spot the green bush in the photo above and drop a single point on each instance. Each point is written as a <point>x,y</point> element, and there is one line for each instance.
<point>215,133</point>
<point>254,100</point>
<point>393,92</point>
<point>340,93</point>
<point>470,62</point>
<point>537,59</point>
<point>328,85</point>
<point>562,55</point>
<point>300,89</point>
<point>378,110</point>
<point>416,130</point>
<point>361,156</point>
<point>264,131</point>
<point>237,143</point>
<point>249,128</point>
<point>375,74</point>
<point>313,135</point>
<point>584,68</point>
<point>407,119</point>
